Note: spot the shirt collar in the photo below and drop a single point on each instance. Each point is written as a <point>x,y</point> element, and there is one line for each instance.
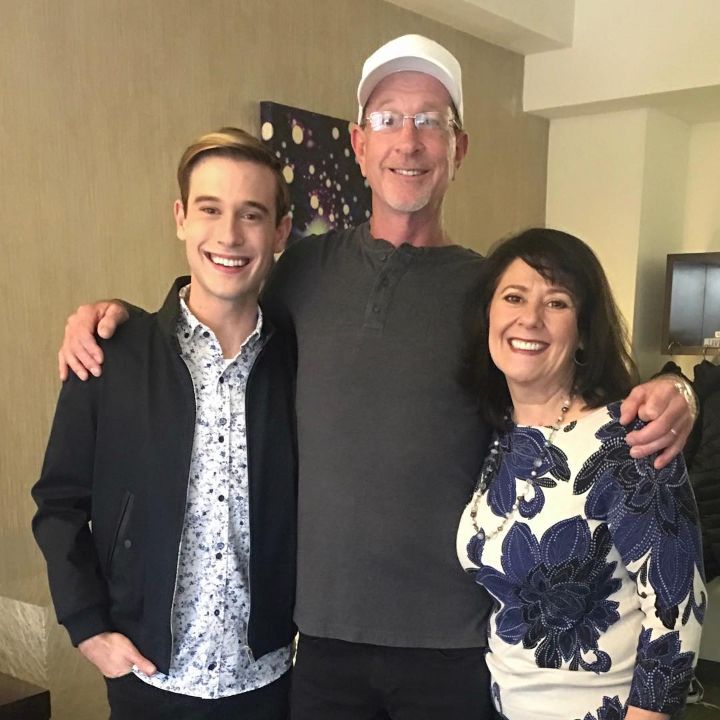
<point>188,324</point>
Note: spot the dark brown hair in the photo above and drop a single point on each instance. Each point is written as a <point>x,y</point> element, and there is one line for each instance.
<point>607,371</point>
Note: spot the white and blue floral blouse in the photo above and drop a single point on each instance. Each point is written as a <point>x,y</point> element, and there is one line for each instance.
<point>597,577</point>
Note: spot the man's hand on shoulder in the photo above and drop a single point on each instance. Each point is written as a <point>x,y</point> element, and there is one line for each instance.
<point>80,352</point>
<point>114,655</point>
<point>668,406</point>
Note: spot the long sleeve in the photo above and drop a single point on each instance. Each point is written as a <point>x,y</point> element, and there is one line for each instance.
<point>61,524</point>
<point>653,519</point>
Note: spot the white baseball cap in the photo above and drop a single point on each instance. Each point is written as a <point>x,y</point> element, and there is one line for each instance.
<point>416,53</point>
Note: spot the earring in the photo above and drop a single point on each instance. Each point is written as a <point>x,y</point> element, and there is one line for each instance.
<point>579,357</point>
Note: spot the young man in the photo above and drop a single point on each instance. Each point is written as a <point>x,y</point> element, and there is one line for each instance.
<point>390,443</point>
<point>166,503</point>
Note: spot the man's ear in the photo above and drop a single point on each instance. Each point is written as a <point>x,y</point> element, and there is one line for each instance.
<point>358,140</point>
<point>461,147</point>
<point>179,213</point>
<point>281,233</point>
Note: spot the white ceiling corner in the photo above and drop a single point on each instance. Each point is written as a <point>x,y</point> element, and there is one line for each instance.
<point>523,26</point>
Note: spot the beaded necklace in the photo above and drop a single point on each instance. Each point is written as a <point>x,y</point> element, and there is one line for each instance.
<point>490,467</point>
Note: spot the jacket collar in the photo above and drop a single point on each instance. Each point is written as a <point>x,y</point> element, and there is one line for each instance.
<point>169,314</point>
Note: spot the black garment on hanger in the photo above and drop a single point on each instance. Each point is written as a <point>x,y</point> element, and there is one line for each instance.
<point>704,463</point>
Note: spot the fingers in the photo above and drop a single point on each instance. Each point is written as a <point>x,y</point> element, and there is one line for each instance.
<point>669,444</point>
<point>105,652</point>
<point>661,437</point>
<point>115,314</point>
<point>62,367</point>
<point>80,352</point>
<point>630,406</point>
<point>143,664</point>
<point>668,455</point>
<point>669,421</point>
<point>135,658</point>
<point>114,655</point>
<point>655,429</point>
<point>661,418</point>
<point>667,429</point>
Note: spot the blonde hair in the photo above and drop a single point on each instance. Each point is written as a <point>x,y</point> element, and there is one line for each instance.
<point>239,145</point>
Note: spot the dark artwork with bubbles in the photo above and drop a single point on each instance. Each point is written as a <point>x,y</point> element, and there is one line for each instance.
<point>327,189</point>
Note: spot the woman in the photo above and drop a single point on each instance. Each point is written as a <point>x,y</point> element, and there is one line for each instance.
<point>593,557</point>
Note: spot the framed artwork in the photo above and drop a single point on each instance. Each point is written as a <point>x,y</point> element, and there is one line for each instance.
<point>327,189</point>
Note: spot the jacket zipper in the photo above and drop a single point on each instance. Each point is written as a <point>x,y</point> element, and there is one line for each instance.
<point>182,526</point>
<point>247,450</point>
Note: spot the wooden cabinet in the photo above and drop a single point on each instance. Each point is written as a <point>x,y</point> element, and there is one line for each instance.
<point>20,700</point>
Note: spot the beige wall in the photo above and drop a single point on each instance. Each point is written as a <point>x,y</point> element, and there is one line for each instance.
<point>702,208</point>
<point>595,176</point>
<point>98,98</point>
<point>618,180</point>
<point>638,185</point>
<point>660,232</point>
<point>623,50</point>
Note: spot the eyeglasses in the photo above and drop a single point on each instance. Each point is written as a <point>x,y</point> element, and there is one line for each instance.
<point>391,121</point>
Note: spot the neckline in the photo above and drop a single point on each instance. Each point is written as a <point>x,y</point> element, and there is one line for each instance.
<point>582,418</point>
<point>383,246</point>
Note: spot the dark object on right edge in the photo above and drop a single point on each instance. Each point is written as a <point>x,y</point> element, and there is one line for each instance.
<point>702,455</point>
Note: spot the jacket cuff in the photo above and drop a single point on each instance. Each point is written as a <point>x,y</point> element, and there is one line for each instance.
<point>87,623</point>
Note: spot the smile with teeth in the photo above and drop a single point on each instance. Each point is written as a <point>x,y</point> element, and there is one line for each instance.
<point>407,172</point>
<point>228,262</point>
<point>531,345</point>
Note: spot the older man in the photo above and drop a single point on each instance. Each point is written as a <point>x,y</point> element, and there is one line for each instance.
<point>390,441</point>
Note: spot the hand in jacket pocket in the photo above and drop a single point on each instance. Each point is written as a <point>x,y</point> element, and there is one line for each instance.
<point>114,655</point>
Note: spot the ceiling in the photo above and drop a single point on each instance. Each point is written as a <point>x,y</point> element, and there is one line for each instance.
<point>529,27</point>
<point>523,26</point>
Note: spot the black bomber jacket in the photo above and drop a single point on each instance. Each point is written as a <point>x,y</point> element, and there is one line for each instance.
<point>112,491</point>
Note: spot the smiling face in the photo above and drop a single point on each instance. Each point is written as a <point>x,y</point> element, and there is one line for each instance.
<point>409,170</point>
<point>230,232</point>
<point>533,332</point>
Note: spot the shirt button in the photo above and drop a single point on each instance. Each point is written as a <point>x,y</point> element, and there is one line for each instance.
<point>376,309</point>
<point>217,612</point>
<point>221,498</point>
<point>383,258</point>
<point>128,544</point>
<point>218,556</point>
<point>222,380</point>
<point>206,334</point>
<point>221,438</point>
<point>212,666</point>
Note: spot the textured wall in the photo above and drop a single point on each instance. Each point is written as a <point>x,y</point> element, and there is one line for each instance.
<point>97,99</point>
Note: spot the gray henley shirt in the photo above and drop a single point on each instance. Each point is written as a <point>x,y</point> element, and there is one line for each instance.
<point>389,442</point>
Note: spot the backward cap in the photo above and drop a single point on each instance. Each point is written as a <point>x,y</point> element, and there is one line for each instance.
<point>415,53</point>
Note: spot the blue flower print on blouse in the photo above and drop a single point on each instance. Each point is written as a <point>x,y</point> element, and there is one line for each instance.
<point>662,673</point>
<point>523,451</point>
<point>648,511</point>
<point>554,594</point>
<point>612,709</point>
